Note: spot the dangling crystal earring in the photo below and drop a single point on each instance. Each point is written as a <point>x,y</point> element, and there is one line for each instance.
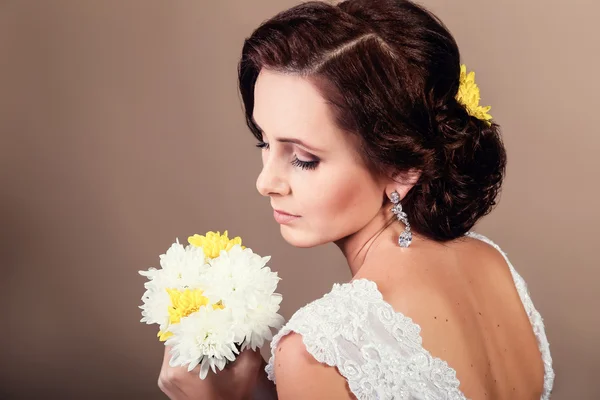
<point>405,237</point>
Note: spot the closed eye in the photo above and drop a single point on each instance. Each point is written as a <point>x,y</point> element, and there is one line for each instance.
<point>304,164</point>
<point>296,162</point>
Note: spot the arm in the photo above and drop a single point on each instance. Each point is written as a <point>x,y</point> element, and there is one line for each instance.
<point>300,376</point>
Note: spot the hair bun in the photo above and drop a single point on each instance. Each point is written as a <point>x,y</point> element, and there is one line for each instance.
<point>471,162</point>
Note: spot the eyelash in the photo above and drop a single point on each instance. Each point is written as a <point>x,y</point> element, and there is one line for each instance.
<point>306,165</point>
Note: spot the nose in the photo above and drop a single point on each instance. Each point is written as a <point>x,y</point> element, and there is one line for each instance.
<point>270,181</point>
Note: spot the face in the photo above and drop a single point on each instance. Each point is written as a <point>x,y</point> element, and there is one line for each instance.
<point>311,169</point>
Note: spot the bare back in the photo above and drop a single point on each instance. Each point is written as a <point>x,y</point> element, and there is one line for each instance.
<point>463,296</point>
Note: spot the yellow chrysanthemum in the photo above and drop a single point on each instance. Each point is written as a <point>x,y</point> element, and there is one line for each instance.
<point>213,243</point>
<point>469,96</point>
<point>184,303</point>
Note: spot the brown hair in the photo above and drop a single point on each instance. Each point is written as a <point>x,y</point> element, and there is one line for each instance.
<point>390,71</point>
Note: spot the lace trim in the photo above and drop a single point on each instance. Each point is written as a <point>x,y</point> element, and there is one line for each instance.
<point>320,321</point>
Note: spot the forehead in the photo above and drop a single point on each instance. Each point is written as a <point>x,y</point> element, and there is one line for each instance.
<point>286,104</point>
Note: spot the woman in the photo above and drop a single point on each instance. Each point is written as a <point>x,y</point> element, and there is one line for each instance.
<point>369,141</point>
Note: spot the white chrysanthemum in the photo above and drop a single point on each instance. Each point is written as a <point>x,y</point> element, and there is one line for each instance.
<point>181,267</point>
<point>239,274</point>
<point>204,337</point>
<point>240,279</point>
<point>155,309</point>
<point>259,321</point>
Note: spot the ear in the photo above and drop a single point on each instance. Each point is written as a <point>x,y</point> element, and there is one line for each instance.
<point>402,182</point>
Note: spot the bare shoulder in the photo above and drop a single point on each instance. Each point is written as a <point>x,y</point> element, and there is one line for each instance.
<point>300,376</point>
<point>443,286</point>
<point>436,270</point>
<point>463,298</point>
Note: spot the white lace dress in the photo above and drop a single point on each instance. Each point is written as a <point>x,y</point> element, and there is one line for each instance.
<point>379,351</point>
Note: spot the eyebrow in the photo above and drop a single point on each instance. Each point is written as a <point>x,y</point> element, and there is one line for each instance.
<point>291,140</point>
<point>298,142</point>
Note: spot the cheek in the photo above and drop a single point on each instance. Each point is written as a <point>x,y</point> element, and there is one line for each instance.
<point>333,205</point>
<point>345,202</point>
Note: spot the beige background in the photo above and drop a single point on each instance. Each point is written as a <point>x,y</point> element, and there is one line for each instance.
<point>121,129</point>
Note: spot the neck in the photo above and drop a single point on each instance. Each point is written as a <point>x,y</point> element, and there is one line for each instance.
<point>379,235</point>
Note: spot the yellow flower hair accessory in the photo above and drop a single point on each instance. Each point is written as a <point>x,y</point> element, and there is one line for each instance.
<point>213,243</point>
<point>468,95</point>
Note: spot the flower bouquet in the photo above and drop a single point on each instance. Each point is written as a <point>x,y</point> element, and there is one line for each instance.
<point>212,299</point>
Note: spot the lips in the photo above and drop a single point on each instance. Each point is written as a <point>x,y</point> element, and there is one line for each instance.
<point>284,213</point>
<point>284,218</point>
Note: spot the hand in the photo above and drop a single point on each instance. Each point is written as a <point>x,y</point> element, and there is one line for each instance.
<point>236,381</point>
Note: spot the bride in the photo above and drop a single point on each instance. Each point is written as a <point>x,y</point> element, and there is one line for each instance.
<point>372,137</point>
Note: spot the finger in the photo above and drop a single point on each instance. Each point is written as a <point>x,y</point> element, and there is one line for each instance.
<point>249,360</point>
<point>166,382</point>
<point>181,370</point>
<point>239,359</point>
<point>166,356</point>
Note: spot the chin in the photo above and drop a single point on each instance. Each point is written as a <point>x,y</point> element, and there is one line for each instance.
<point>298,238</point>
